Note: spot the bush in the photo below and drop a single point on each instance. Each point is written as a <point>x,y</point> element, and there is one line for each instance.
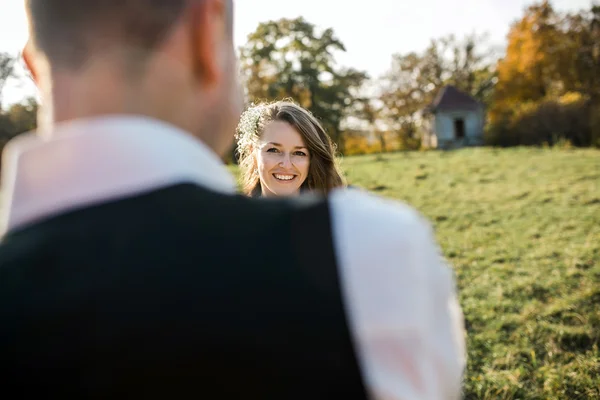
<point>549,122</point>
<point>355,145</point>
<point>595,126</point>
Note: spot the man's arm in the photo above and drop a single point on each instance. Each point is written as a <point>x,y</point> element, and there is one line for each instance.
<point>400,298</point>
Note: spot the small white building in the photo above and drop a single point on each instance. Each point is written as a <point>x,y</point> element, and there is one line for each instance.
<point>454,119</point>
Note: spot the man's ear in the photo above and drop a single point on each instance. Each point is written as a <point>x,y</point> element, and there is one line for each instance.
<point>29,60</point>
<point>208,24</point>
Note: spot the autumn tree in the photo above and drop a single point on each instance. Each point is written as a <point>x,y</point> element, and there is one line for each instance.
<point>528,71</point>
<point>549,79</point>
<point>548,55</point>
<point>291,58</point>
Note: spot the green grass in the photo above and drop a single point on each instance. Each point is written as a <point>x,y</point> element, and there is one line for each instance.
<point>521,228</point>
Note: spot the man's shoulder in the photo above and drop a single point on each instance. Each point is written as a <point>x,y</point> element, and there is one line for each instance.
<point>358,207</point>
<point>369,229</point>
<point>183,207</point>
<point>354,215</point>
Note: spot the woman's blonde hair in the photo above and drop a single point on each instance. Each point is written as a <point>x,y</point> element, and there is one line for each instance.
<point>323,174</point>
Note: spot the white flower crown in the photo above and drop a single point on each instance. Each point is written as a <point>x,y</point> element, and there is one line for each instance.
<point>248,125</point>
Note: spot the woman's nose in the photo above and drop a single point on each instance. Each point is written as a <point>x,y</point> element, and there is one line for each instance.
<point>286,162</point>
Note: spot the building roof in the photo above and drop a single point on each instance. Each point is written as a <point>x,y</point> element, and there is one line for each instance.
<point>451,99</point>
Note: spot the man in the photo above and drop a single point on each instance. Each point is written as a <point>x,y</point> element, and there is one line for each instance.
<point>130,268</point>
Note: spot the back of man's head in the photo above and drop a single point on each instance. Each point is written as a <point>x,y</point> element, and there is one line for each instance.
<point>177,48</point>
<point>68,31</point>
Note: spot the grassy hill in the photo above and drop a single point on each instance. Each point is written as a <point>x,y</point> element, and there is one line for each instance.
<point>521,228</point>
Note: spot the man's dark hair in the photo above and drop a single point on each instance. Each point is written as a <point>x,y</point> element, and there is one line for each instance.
<point>69,31</point>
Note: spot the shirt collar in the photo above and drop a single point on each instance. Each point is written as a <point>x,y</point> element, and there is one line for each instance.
<point>96,160</point>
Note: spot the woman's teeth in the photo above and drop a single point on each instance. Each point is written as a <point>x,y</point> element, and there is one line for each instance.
<point>284,177</point>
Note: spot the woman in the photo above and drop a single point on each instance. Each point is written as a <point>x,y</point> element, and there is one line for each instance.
<point>283,151</point>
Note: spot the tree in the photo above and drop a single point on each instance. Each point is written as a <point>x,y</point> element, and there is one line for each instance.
<point>7,63</point>
<point>579,57</point>
<point>530,69</point>
<point>289,58</point>
<point>371,113</point>
<point>414,79</point>
<point>17,119</point>
<point>472,68</point>
<point>549,81</point>
<point>408,87</point>
<point>23,116</point>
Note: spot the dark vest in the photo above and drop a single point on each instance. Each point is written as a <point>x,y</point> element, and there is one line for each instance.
<point>177,293</point>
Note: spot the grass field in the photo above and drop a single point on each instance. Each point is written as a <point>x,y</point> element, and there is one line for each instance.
<point>521,228</point>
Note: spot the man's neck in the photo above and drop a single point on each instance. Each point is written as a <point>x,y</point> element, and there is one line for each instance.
<point>104,87</point>
<point>163,91</point>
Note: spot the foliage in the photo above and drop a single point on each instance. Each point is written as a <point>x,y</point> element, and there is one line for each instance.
<point>566,118</point>
<point>550,56</point>
<point>595,126</point>
<point>290,58</point>
<point>19,118</point>
<point>23,116</point>
<point>7,63</point>
<point>379,142</point>
<point>527,71</point>
<point>358,144</point>
<point>581,55</point>
<point>414,79</point>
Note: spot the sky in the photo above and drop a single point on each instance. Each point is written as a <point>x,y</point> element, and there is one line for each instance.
<point>371,30</point>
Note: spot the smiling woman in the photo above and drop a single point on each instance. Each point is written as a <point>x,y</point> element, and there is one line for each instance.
<point>284,150</point>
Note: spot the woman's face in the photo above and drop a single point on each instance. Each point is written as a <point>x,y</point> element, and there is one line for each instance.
<point>283,160</point>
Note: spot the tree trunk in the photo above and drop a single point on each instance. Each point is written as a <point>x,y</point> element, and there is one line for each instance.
<point>382,141</point>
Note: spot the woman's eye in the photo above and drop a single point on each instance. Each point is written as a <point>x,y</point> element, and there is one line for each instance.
<point>300,153</point>
<point>273,150</point>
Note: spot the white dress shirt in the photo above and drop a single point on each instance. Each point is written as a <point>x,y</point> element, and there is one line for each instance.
<point>399,295</point>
